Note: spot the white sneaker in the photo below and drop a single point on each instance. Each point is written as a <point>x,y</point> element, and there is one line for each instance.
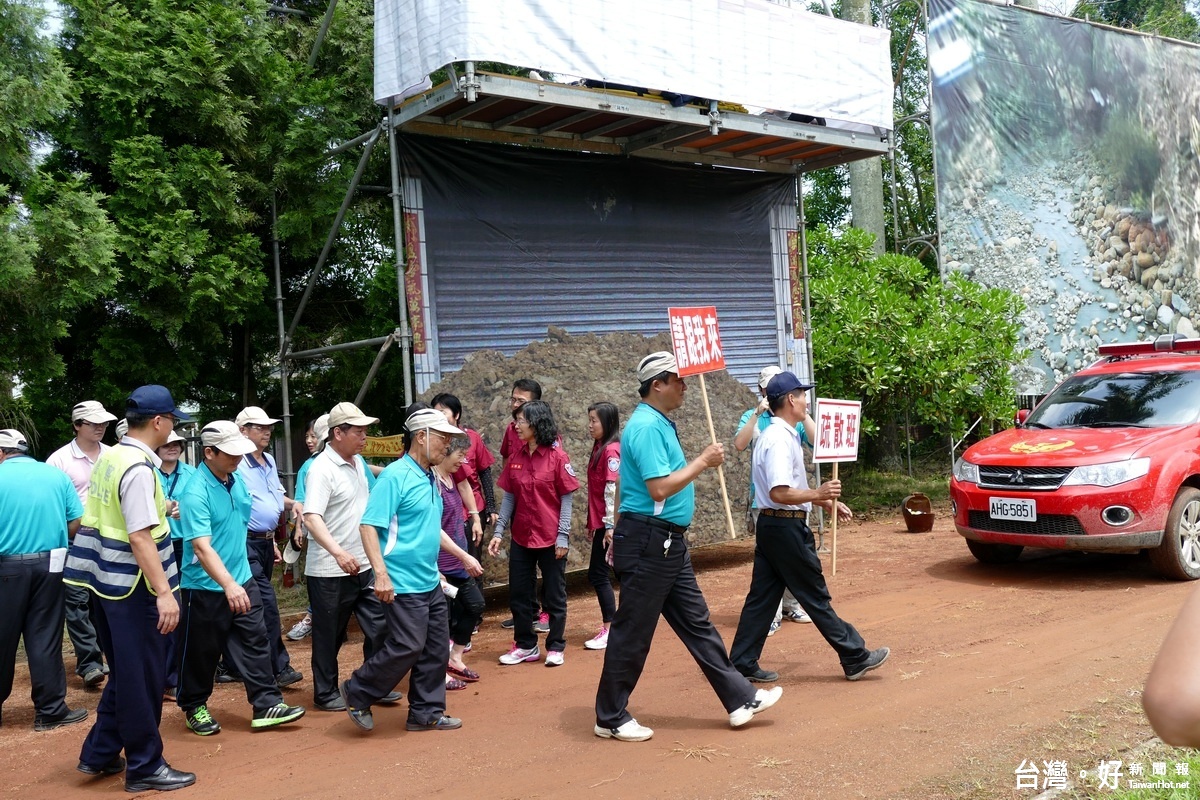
<point>773,629</point>
<point>554,658</point>
<point>518,655</point>
<point>631,731</point>
<point>763,699</point>
<point>797,615</point>
<point>300,629</point>
<point>599,641</point>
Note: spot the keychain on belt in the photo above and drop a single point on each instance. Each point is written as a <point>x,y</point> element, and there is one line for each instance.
<point>667,546</point>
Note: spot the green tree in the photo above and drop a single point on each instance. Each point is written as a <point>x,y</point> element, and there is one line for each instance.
<point>1170,18</point>
<point>909,345</point>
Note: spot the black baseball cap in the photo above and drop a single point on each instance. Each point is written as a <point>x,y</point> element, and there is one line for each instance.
<point>154,399</point>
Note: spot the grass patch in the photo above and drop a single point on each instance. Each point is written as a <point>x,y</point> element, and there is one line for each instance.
<point>1139,767</point>
<point>873,492</point>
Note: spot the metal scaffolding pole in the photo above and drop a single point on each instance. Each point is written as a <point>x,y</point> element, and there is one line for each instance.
<point>288,475</point>
<point>398,233</point>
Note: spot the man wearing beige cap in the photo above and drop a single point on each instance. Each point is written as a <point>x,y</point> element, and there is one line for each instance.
<point>651,559</point>
<point>401,534</point>
<point>340,578</point>
<point>222,607</point>
<point>77,458</point>
<point>268,503</point>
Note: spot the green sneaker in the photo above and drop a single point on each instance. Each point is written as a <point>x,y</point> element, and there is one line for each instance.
<point>280,714</point>
<point>200,722</point>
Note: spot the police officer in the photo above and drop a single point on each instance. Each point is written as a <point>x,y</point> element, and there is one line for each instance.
<point>128,564</point>
<point>38,508</point>
<point>651,559</point>
<point>784,555</point>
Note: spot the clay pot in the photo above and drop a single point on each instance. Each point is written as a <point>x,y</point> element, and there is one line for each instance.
<point>918,513</point>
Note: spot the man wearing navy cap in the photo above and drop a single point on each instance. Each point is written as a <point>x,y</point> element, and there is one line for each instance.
<point>651,559</point>
<point>38,508</point>
<point>784,555</point>
<point>127,561</point>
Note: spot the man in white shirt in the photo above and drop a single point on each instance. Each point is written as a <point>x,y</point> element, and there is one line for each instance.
<point>784,556</point>
<point>77,458</point>
<point>340,579</point>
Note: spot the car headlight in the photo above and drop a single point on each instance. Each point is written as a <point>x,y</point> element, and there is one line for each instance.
<point>965,471</point>
<point>1108,474</point>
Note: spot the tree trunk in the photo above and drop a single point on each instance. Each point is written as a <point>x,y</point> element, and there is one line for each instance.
<point>866,176</point>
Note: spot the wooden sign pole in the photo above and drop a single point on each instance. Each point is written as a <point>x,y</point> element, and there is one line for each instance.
<point>833,569</point>
<point>720,469</point>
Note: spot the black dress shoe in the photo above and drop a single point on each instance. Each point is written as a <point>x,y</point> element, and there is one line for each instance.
<point>287,677</point>
<point>392,697</point>
<point>335,704</point>
<point>70,718</point>
<point>164,780</point>
<point>761,675</point>
<point>114,767</point>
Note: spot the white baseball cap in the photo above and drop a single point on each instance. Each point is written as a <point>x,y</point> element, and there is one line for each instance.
<point>13,439</point>
<point>227,437</point>
<point>430,419</point>
<point>656,364</point>
<point>122,428</point>
<point>90,411</point>
<point>173,438</point>
<point>765,376</point>
<point>321,428</point>
<point>253,415</point>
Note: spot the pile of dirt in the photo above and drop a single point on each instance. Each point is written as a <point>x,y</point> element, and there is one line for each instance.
<point>576,371</point>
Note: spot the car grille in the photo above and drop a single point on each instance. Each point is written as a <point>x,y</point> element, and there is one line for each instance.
<point>1046,525</point>
<point>1025,479</point>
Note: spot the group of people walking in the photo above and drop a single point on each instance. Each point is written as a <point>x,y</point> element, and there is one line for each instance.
<point>398,548</point>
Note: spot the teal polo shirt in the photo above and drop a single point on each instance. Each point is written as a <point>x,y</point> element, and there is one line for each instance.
<point>35,506</point>
<point>173,486</point>
<point>650,449</point>
<point>208,509</point>
<point>405,508</point>
<point>302,474</point>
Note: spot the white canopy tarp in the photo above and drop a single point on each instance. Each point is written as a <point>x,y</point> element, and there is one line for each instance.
<point>765,53</point>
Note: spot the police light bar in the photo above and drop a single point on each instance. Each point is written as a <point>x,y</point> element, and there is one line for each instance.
<point>1166,343</point>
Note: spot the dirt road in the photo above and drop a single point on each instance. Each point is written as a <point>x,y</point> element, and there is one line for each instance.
<point>990,665</point>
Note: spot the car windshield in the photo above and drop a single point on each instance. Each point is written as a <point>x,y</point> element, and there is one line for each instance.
<point>1122,399</point>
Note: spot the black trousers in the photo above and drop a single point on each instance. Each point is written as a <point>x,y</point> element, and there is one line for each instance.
<point>81,631</point>
<point>209,626</point>
<point>130,706</point>
<point>654,584</point>
<point>598,577</point>
<point>333,601</point>
<point>466,609</point>
<point>523,563</point>
<point>785,557</point>
<point>262,565</point>
<point>417,628</point>
<point>32,601</point>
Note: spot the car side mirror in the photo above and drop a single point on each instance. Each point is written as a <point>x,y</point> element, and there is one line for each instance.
<point>1021,415</point>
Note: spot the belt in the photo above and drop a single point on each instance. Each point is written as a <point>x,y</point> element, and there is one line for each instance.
<point>261,534</point>
<point>655,522</point>
<point>26,557</point>
<point>785,512</point>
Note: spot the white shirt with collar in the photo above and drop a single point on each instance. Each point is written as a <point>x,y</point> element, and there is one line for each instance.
<point>778,460</point>
<point>77,464</point>
<point>337,490</point>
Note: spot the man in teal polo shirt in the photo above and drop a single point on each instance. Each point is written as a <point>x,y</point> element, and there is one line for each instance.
<point>651,559</point>
<point>222,607</point>
<point>38,509</point>
<point>401,533</point>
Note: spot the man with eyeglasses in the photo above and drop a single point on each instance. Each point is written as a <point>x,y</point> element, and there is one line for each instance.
<point>401,536</point>
<point>651,559</point>
<point>267,505</point>
<point>124,557</point>
<point>77,458</point>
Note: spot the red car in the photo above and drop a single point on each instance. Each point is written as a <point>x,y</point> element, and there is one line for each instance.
<point>1108,461</point>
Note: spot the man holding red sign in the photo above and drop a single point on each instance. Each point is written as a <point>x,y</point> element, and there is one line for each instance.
<point>651,559</point>
<point>784,555</point>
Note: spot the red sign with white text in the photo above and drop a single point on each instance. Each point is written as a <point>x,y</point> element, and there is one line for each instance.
<point>839,425</point>
<point>696,340</point>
